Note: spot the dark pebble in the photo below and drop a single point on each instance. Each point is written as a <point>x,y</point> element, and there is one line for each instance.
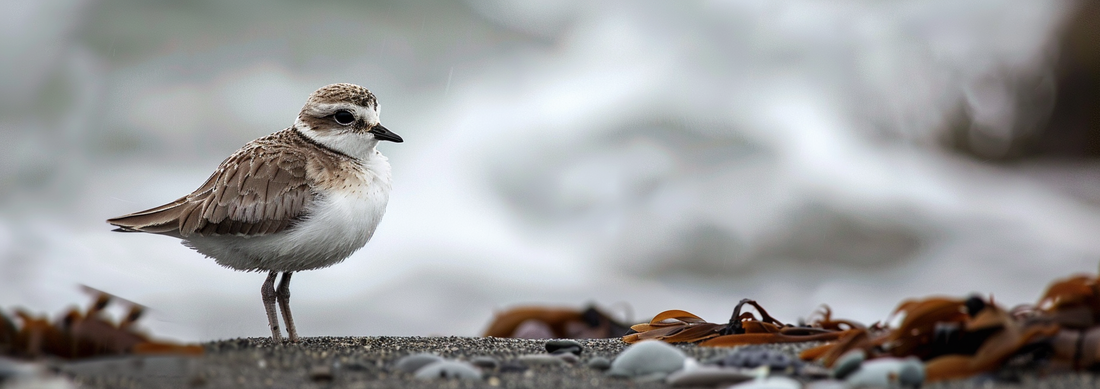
<point>848,363</point>
<point>557,346</point>
<point>599,363</point>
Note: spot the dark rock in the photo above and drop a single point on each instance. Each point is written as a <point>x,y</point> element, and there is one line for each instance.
<point>599,363</point>
<point>564,346</point>
<point>848,363</point>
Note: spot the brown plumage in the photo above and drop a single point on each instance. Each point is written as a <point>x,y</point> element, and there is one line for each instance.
<point>261,189</point>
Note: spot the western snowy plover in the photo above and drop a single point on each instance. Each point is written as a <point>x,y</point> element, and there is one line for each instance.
<point>302,198</point>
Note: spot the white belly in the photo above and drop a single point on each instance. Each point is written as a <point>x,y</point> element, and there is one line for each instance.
<point>338,224</point>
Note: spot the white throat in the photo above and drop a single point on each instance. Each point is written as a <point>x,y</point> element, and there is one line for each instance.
<point>357,145</point>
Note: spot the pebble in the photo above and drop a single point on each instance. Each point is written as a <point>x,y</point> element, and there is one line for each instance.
<point>773,382</point>
<point>646,358</point>
<point>708,376</point>
<point>540,360</point>
<point>412,363</point>
<point>512,367</point>
<point>567,357</point>
<point>485,362</point>
<point>564,346</point>
<point>321,373</point>
<point>889,373</point>
<point>599,363</point>
<point>848,363</point>
<point>750,357</point>
<point>828,384</point>
<point>448,369</point>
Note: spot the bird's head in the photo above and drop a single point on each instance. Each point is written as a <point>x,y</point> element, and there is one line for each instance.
<point>344,117</point>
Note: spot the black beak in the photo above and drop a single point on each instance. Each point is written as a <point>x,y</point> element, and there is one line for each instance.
<point>382,133</point>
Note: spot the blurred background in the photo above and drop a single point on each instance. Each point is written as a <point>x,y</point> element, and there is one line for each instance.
<point>641,157</point>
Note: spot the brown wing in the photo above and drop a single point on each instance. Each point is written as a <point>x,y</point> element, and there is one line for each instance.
<point>258,190</point>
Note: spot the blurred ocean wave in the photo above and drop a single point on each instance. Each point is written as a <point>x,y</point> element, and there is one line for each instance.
<point>669,156</point>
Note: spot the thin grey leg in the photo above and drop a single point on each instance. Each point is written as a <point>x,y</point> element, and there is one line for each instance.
<point>283,294</point>
<point>268,293</point>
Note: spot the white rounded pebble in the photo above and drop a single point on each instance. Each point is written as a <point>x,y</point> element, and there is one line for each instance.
<point>889,373</point>
<point>647,357</point>
<point>775,382</point>
<point>448,369</point>
<point>412,363</point>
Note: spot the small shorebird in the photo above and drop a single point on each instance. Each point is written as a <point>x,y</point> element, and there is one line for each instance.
<point>302,198</point>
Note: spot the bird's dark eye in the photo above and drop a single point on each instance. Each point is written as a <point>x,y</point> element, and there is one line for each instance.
<point>344,117</point>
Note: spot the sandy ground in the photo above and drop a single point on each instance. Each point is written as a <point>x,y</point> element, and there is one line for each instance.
<point>368,362</point>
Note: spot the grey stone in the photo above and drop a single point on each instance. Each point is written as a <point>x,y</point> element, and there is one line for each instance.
<point>647,357</point>
<point>540,360</point>
<point>448,370</point>
<point>708,376</point>
<point>321,373</point>
<point>567,357</point>
<point>485,362</point>
<point>599,363</point>
<point>890,373</point>
<point>848,363</point>
<point>412,363</point>
<point>828,384</point>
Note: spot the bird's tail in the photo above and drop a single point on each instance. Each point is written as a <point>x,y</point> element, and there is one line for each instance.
<point>164,219</point>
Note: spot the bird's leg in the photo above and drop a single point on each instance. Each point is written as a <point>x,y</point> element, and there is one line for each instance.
<point>283,294</point>
<point>268,293</point>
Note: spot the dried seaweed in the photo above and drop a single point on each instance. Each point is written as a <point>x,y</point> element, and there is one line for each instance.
<point>956,337</point>
<point>676,326</point>
<point>79,334</point>
<point>588,323</point>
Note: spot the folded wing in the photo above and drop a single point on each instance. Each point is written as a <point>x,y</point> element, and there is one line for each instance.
<point>256,191</point>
